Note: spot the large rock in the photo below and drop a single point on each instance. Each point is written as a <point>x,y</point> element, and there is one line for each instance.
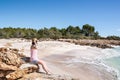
<point>23,70</point>
<point>9,57</point>
<point>4,66</point>
<point>10,60</point>
<point>11,64</point>
<point>6,69</point>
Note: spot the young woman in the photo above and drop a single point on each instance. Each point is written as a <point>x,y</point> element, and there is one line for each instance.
<point>34,56</point>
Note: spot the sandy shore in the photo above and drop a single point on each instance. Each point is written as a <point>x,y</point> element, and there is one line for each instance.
<point>81,62</point>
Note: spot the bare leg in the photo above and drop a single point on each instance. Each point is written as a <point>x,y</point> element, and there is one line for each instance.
<point>38,67</point>
<point>44,66</point>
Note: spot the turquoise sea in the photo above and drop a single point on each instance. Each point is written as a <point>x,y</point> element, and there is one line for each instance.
<point>114,62</point>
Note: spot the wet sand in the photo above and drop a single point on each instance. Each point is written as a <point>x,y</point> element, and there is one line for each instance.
<point>80,70</point>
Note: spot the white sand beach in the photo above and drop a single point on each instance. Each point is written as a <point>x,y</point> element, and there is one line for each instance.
<point>81,62</point>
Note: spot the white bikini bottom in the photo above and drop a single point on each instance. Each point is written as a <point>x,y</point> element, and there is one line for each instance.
<point>34,61</point>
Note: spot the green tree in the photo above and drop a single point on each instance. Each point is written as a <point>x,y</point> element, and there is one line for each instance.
<point>113,37</point>
<point>96,35</point>
<point>55,33</point>
<point>19,33</point>
<point>88,30</point>
<point>30,33</point>
<point>44,33</point>
<point>63,32</point>
<point>73,32</point>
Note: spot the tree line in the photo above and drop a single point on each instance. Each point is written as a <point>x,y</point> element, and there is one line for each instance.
<point>71,32</point>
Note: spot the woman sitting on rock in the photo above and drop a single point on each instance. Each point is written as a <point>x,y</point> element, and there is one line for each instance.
<point>34,57</point>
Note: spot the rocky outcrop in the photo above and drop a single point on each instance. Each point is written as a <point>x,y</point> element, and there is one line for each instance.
<point>10,59</point>
<point>97,43</point>
<point>21,72</point>
<point>10,63</point>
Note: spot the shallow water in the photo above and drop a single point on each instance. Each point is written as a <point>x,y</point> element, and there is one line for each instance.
<point>114,61</point>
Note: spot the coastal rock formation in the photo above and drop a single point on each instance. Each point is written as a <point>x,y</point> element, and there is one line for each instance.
<point>10,58</point>
<point>21,72</point>
<point>97,43</point>
<point>9,61</point>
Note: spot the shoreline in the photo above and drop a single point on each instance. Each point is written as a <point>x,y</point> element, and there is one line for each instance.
<point>93,43</point>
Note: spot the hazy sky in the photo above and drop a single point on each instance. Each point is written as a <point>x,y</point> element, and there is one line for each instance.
<point>104,15</point>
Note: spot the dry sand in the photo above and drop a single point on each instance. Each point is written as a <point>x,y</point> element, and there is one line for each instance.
<point>82,62</point>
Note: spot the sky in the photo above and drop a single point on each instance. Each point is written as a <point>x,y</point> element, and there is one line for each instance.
<point>104,15</point>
